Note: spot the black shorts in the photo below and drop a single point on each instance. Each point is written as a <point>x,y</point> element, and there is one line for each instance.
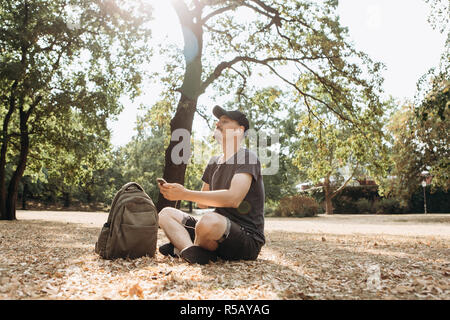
<point>237,243</point>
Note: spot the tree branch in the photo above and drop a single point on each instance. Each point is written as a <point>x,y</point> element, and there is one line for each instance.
<point>201,114</point>
<point>224,65</point>
<point>266,7</point>
<point>346,182</point>
<point>228,64</point>
<point>217,12</point>
<point>32,107</point>
<point>244,84</point>
<point>306,94</point>
<point>264,13</point>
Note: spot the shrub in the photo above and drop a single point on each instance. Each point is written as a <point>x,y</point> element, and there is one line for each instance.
<point>270,208</point>
<point>363,206</point>
<point>438,201</point>
<point>346,201</point>
<point>298,206</point>
<point>388,205</point>
<point>344,204</point>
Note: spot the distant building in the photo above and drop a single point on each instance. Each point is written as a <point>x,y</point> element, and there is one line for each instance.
<point>366,181</point>
<point>304,186</point>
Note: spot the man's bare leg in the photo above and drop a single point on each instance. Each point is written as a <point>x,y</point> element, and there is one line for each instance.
<point>170,220</point>
<point>209,230</point>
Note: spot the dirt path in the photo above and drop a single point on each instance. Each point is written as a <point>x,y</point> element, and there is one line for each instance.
<point>411,225</point>
<point>408,225</point>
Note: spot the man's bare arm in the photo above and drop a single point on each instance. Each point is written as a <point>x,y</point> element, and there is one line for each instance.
<point>205,187</point>
<point>240,184</point>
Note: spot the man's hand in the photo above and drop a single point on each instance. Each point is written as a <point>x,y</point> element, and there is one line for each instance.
<point>172,191</point>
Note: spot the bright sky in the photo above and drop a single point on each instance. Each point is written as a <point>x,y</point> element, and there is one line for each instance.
<point>393,32</point>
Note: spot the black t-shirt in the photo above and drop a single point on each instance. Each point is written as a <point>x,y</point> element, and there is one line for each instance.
<point>250,213</point>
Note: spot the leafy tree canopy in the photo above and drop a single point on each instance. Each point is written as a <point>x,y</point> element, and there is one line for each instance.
<point>64,64</point>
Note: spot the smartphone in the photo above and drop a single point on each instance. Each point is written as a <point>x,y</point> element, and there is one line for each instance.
<point>161,181</point>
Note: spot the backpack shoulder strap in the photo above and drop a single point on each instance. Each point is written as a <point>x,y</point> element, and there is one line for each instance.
<point>130,186</point>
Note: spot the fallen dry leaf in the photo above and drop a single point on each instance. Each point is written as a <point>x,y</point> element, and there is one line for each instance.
<point>403,289</point>
<point>51,260</point>
<point>136,290</point>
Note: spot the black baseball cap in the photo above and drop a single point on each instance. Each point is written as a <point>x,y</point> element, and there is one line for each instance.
<point>235,115</point>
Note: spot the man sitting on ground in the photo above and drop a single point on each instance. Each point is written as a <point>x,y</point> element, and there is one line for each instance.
<point>233,185</point>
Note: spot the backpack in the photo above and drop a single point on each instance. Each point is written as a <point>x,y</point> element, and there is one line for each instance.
<point>132,226</point>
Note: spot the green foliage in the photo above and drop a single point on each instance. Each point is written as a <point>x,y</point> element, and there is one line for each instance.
<point>439,17</point>
<point>437,102</point>
<point>297,206</point>
<point>143,162</point>
<point>418,145</point>
<point>91,181</point>
<point>283,182</point>
<point>421,138</point>
<point>64,65</point>
<point>326,146</point>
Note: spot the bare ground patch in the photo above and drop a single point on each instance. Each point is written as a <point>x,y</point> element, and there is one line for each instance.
<point>55,260</point>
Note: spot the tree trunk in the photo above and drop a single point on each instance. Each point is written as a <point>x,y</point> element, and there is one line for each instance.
<point>4,149</point>
<point>8,203</point>
<point>66,199</point>
<point>15,179</point>
<point>190,91</point>
<point>24,196</point>
<point>22,163</point>
<point>88,197</point>
<point>328,197</point>
<point>328,204</point>
<point>3,176</point>
<point>174,173</point>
